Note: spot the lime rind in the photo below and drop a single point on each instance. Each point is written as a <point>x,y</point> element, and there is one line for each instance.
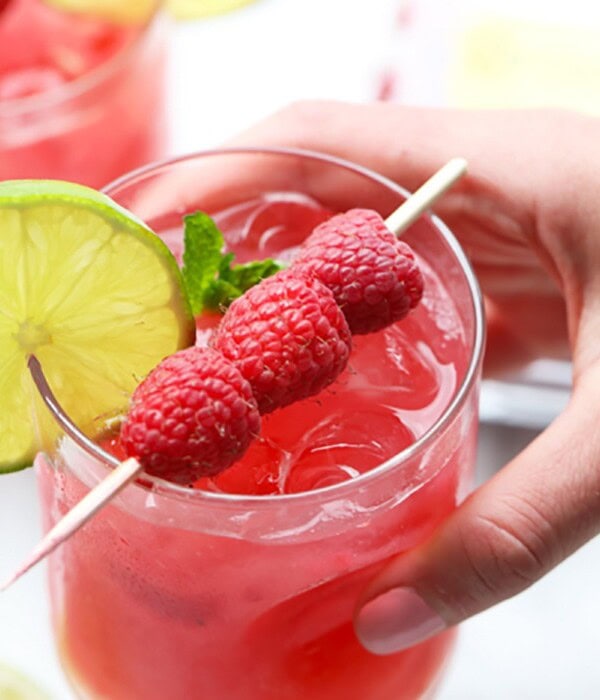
<point>94,294</point>
<point>24,192</point>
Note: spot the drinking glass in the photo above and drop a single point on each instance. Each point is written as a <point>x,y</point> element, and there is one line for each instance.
<point>173,592</point>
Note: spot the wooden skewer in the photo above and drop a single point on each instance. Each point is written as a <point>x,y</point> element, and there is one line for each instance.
<point>125,472</point>
<point>78,516</point>
<point>410,210</point>
<point>122,474</point>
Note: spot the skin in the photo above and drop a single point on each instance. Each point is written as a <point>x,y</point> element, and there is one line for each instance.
<point>528,215</point>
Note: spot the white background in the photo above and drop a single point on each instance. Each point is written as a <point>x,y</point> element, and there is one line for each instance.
<point>226,73</point>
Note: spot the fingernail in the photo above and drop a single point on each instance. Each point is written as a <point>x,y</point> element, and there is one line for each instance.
<point>395,620</point>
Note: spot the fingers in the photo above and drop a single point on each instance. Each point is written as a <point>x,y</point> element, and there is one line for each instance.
<point>407,144</point>
<point>519,186</point>
<point>510,165</point>
<point>506,151</point>
<point>534,513</point>
<point>391,140</point>
<point>494,210</point>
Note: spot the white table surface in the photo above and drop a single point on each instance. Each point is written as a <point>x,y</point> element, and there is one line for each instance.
<point>226,73</point>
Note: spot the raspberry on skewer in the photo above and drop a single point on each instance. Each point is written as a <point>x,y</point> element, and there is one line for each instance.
<point>287,336</point>
<point>374,277</point>
<point>193,416</point>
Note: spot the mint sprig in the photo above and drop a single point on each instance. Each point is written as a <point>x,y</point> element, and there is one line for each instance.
<point>211,279</point>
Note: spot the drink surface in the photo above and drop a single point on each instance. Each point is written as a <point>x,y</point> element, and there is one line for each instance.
<point>149,605</point>
<point>67,81</point>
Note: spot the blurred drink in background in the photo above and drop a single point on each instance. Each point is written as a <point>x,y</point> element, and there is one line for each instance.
<point>494,53</point>
<point>81,88</point>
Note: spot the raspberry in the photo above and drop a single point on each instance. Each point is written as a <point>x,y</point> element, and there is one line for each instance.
<point>287,336</point>
<point>374,277</point>
<point>193,416</point>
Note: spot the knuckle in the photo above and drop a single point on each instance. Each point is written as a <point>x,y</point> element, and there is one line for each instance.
<point>304,114</point>
<point>511,548</point>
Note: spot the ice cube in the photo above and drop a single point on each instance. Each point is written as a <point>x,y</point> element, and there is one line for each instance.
<point>257,473</point>
<point>394,367</point>
<point>344,445</point>
<point>436,320</point>
<point>268,225</point>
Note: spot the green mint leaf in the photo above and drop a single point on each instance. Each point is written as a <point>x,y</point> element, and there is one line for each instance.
<point>202,255</point>
<point>211,279</point>
<point>219,294</point>
<point>245,276</point>
<point>225,266</point>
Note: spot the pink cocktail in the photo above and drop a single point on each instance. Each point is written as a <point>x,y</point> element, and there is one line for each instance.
<point>245,587</point>
<point>81,96</point>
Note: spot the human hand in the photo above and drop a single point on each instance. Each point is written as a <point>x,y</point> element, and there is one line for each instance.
<point>528,216</point>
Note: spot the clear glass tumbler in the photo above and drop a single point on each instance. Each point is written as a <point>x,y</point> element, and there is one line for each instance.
<point>185,593</point>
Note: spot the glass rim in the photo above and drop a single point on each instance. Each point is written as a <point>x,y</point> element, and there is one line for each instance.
<point>86,82</point>
<point>166,488</point>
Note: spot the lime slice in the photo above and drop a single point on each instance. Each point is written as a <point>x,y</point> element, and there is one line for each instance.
<point>117,11</point>
<point>94,294</point>
<point>16,686</point>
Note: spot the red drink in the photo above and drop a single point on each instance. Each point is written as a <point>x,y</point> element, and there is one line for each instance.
<point>183,593</point>
<point>81,97</point>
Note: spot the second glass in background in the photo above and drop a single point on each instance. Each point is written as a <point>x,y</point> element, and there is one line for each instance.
<point>82,93</point>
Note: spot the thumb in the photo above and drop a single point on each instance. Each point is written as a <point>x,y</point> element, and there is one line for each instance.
<point>540,508</point>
